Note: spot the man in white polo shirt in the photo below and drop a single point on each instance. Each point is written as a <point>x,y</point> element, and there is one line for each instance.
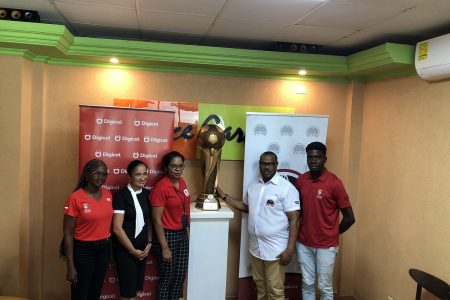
<point>273,205</point>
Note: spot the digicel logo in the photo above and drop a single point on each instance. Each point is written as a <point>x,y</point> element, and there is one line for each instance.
<point>94,137</point>
<point>100,121</point>
<point>145,155</point>
<point>148,139</point>
<point>107,154</point>
<point>128,139</point>
<point>118,171</point>
<point>145,123</point>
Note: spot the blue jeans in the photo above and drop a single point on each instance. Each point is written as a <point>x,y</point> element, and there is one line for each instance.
<point>320,260</point>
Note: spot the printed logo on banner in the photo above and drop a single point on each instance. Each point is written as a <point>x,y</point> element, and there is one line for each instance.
<point>99,154</point>
<point>101,121</point>
<point>313,131</point>
<point>138,123</point>
<point>94,137</point>
<point>145,155</point>
<point>155,140</point>
<point>151,278</point>
<point>274,147</point>
<point>287,130</point>
<point>117,171</point>
<point>112,279</point>
<point>128,139</point>
<point>143,294</point>
<point>154,171</point>
<point>299,149</point>
<point>260,129</point>
<point>111,187</point>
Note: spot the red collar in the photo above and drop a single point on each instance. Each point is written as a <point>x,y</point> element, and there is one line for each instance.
<point>322,176</point>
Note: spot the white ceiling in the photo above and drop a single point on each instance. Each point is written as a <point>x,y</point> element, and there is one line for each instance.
<point>337,25</point>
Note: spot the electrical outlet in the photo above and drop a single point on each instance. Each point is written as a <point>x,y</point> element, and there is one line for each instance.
<point>390,298</point>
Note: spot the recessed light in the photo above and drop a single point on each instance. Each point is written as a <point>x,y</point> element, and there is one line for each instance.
<point>302,72</point>
<point>114,60</point>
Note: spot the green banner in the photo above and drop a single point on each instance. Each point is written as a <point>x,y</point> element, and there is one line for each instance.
<point>232,119</point>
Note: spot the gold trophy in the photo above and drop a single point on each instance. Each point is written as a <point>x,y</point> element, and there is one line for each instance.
<point>210,140</point>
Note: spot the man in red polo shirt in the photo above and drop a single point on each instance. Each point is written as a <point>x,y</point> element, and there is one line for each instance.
<point>322,196</point>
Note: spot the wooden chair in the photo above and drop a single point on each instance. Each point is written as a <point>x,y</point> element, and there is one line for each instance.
<point>432,284</point>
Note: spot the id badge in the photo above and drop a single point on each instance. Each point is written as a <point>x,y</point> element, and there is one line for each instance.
<point>184,221</point>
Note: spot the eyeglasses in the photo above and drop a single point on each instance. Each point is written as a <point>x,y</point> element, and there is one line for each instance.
<point>98,174</point>
<point>176,167</point>
<point>267,164</point>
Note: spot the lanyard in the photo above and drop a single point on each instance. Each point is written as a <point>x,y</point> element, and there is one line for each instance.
<point>182,200</point>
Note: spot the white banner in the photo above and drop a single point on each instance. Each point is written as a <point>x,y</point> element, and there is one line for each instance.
<point>287,135</point>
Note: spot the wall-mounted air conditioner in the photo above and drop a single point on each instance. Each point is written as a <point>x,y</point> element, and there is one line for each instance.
<point>433,58</point>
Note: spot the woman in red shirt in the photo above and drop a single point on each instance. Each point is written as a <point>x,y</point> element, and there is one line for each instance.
<point>170,213</point>
<point>87,221</point>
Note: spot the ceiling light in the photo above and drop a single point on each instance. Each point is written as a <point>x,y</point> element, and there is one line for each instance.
<point>114,60</point>
<point>302,72</point>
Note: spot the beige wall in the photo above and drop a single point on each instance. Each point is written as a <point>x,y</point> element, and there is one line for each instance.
<point>404,206</point>
<point>11,204</point>
<point>381,136</point>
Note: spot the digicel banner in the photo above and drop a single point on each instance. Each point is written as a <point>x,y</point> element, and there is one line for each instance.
<point>117,136</point>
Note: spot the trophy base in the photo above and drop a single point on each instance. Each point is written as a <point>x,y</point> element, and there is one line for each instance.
<point>207,202</point>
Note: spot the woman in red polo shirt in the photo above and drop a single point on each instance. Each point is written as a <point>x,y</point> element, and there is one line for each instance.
<point>87,221</point>
<point>170,212</point>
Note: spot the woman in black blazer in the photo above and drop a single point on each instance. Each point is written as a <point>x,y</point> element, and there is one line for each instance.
<point>133,230</point>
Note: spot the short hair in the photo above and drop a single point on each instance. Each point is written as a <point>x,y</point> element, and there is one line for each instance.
<point>168,158</point>
<point>134,164</point>
<point>270,153</point>
<point>317,146</point>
